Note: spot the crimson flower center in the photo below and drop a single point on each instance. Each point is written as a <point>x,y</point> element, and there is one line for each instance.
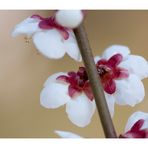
<point>50,23</point>
<point>103,70</point>
<point>78,83</point>
<point>109,71</point>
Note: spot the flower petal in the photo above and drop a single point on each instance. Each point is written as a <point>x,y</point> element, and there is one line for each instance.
<point>129,91</point>
<point>115,60</point>
<point>110,99</point>
<point>65,134</point>
<point>44,24</point>
<point>49,43</point>
<point>80,110</point>
<point>27,27</point>
<point>64,33</point>
<point>134,118</point>
<point>72,48</point>
<point>72,91</point>
<point>137,126</point>
<point>53,78</point>
<point>88,91</point>
<point>121,73</point>
<point>69,18</point>
<point>136,65</point>
<point>109,86</point>
<point>38,17</point>
<point>54,95</point>
<point>116,49</point>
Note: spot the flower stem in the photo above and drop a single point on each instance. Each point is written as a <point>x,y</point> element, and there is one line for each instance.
<point>96,86</point>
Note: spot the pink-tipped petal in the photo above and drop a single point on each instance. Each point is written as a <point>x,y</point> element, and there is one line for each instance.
<point>137,126</point>
<point>102,62</point>
<point>115,60</point>
<point>54,78</point>
<point>72,91</point>
<point>121,73</point>
<point>44,25</point>
<point>134,118</point>
<point>63,78</point>
<point>109,86</point>
<point>36,16</point>
<point>88,93</point>
<point>64,34</point>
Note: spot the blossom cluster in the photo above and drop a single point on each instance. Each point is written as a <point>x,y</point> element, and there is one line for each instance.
<point>121,80</point>
<point>121,73</point>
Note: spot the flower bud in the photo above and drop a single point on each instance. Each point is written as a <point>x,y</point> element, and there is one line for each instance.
<point>69,18</point>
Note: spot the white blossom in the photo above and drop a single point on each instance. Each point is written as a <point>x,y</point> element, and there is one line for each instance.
<point>51,39</point>
<point>121,74</point>
<point>55,93</point>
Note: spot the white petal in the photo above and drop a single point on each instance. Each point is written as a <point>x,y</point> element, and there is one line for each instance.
<point>115,49</point>
<point>54,95</point>
<point>64,134</point>
<point>49,43</point>
<point>52,78</point>
<point>134,118</point>
<point>96,59</point>
<point>27,27</point>
<point>129,91</point>
<point>110,99</point>
<point>69,18</point>
<point>80,110</point>
<point>72,48</point>
<point>136,65</point>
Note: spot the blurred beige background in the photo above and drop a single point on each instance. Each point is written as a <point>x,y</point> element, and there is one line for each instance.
<point>23,72</point>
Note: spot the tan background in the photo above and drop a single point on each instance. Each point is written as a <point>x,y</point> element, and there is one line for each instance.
<point>23,72</point>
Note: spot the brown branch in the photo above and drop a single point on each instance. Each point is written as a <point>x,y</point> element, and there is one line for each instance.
<point>95,82</point>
